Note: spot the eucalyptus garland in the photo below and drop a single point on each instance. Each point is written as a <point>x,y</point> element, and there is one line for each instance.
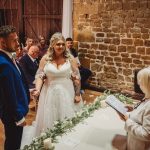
<point>62,127</point>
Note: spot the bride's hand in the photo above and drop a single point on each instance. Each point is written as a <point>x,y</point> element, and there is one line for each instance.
<point>36,93</point>
<point>77,99</point>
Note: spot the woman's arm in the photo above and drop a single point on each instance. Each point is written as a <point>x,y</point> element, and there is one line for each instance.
<point>39,77</point>
<point>140,131</point>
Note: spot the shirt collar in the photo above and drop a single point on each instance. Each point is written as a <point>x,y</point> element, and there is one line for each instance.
<point>7,53</point>
<point>31,58</point>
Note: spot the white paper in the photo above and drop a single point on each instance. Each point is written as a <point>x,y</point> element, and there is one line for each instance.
<point>116,104</point>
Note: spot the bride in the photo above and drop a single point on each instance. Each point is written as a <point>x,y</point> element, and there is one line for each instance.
<point>57,96</point>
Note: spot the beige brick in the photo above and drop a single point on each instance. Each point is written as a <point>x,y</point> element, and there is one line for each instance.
<point>110,35</point>
<point>98,40</point>
<point>100,34</point>
<point>145,36</point>
<point>91,56</point>
<point>119,64</point>
<point>84,45</point>
<point>116,41</point>
<point>141,50</point>
<point>145,57</point>
<point>124,55</point>
<point>135,56</point>
<point>147,51</point>
<point>136,35</point>
<point>112,48</point>
<point>121,48</point>
<point>138,42</point>
<point>127,60</point>
<point>131,49</point>
<point>104,53</point>
<point>103,47</point>
<point>113,54</point>
<point>107,40</point>
<point>108,59</point>
<point>127,41</point>
<point>137,61</point>
<point>147,43</point>
<point>117,59</point>
<point>127,72</point>
<point>110,63</point>
<point>98,29</point>
<point>81,50</point>
<point>147,62</point>
<point>94,46</point>
<point>144,30</point>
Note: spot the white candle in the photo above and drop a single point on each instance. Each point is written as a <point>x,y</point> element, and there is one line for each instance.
<point>48,143</point>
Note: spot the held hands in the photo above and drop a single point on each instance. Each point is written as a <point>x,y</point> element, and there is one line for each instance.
<point>35,93</point>
<point>23,124</point>
<point>77,98</point>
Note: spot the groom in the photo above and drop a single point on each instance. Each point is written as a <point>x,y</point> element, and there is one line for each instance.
<point>14,94</point>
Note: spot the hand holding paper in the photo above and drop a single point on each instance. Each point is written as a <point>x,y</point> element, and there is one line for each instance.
<point>112,101</point>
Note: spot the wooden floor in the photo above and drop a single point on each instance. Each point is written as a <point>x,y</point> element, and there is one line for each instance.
<point>88,96</point>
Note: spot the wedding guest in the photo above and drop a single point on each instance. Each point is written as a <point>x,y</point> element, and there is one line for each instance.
<point>14,94</point>
<point>29,64</point>
<point>84,72</point>
<point>42,46</point>
<point>137,123</point>
<point>19,53</point>
<point>29,43</point>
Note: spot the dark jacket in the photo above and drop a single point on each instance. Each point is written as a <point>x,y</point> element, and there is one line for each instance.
<point>14,92</point>
<point>29,68</point>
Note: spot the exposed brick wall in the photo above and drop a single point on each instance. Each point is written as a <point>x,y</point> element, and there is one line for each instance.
<point>115,36</point>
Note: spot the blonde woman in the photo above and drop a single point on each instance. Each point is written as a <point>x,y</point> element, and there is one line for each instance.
<point>137,123</point>
<point>54,86</point>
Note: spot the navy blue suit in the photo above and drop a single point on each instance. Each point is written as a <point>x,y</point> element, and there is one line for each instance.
<point>29,68</point>
<point>14,99</point>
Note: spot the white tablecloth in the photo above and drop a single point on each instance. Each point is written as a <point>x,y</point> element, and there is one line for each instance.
<point>96,133</point>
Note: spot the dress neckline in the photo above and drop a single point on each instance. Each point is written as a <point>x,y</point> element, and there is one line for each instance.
<point>59,66</point>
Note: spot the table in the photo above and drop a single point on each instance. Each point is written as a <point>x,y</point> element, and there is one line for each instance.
<point>95,133</point>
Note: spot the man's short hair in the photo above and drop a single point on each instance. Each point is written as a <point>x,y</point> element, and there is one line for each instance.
<point>69,39</point>
<point>6,30</point>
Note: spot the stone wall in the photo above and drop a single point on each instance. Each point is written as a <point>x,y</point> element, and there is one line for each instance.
<point>113,35</point>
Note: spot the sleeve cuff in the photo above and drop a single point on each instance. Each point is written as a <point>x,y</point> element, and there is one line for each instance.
<point>20,121</point>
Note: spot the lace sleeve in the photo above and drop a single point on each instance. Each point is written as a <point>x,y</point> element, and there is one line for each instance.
<point>75,77</point>
<point>40,74</point>
<point>76,74</point>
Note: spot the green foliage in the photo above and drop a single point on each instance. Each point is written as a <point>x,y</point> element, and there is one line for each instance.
<point>62,127</point>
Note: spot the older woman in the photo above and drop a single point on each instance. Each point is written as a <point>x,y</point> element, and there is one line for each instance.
<point>137,124</point>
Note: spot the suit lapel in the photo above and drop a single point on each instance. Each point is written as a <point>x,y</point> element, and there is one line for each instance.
<point>9,59</point>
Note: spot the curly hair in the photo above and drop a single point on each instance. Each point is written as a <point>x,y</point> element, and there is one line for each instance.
<point>6,30</point>
<point>54,39</point>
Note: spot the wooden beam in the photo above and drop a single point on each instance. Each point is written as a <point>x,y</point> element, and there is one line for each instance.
<point>45,6</point>
<point>5,2</point>
<point>31,27</point>
<point>43,16</point>
<point>21,21</point>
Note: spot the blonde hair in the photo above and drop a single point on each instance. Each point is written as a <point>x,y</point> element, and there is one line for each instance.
<point>143,77</point>
<point>54,39</point>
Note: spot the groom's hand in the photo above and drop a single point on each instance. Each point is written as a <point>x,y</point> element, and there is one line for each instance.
<point>23,124</point>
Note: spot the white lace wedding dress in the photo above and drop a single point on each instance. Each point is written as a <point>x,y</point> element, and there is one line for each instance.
<point>56,101</point>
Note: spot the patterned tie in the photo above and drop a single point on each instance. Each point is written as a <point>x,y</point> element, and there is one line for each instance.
<point>35,62</point>
<point>14,61</point>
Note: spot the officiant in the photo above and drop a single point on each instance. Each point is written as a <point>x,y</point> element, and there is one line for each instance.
<point>137,123</point>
